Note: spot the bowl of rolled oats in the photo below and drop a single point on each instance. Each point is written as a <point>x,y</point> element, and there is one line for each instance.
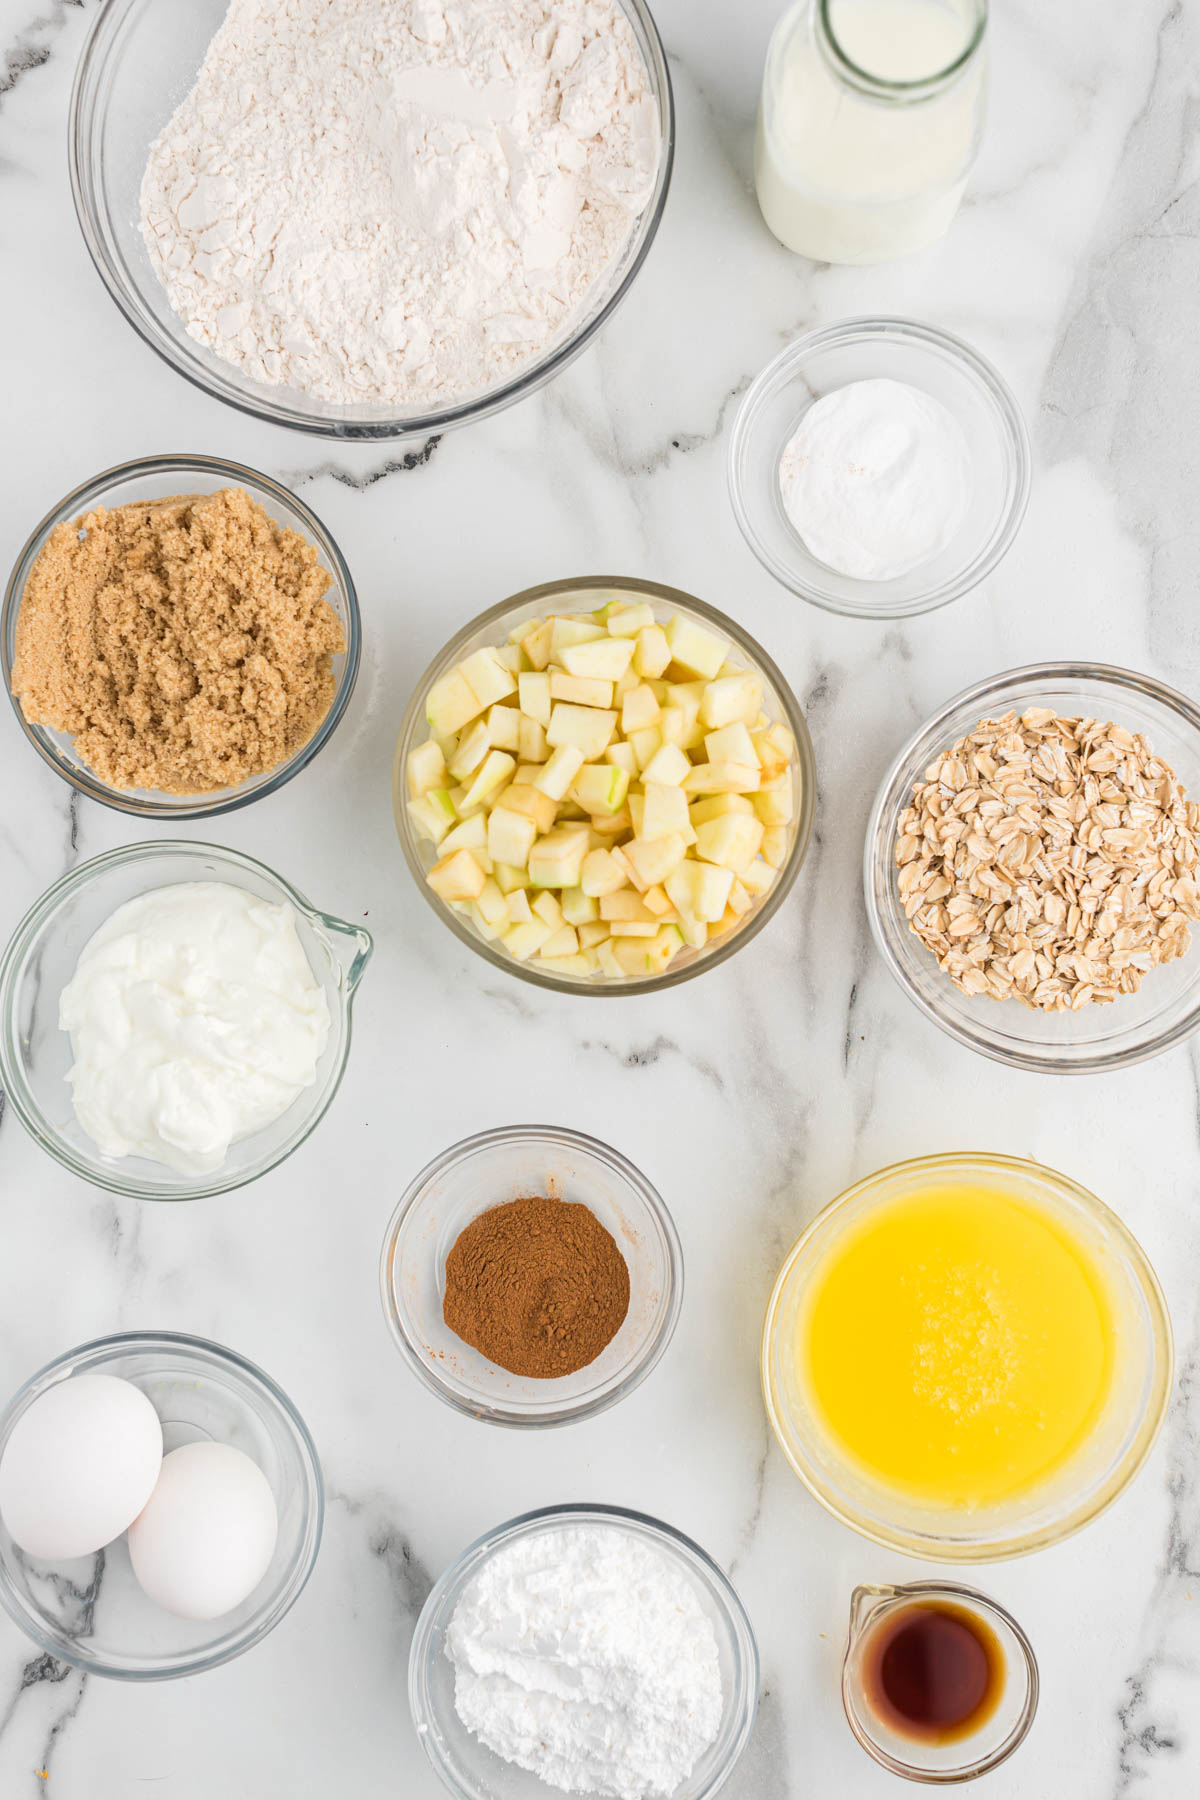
<point>1032,867</point>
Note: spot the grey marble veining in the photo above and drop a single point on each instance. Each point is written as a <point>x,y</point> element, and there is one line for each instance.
<point>749,1097</point>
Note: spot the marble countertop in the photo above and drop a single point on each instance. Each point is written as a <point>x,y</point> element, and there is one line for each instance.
<point>749,1097</point>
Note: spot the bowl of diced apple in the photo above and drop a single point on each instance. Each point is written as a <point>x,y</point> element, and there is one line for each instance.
<point>604,786</point>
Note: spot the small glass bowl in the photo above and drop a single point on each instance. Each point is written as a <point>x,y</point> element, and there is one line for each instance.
<point>35,1053</point>
<point>138,63</point>
<point>994,1740</point>
<point>1093,1478</point>
<point>941,366</point>
<point>486,1171</point>
<point>471,1771</point>
<point>154,478</point>
<point>1166,1008</point>
<point>91,1612</point>
<point>586,594</point>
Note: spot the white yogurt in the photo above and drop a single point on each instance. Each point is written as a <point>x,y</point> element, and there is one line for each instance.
<point>195,1020</point>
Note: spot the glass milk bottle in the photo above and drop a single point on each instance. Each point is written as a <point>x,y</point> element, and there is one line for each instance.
<point>871,117</point>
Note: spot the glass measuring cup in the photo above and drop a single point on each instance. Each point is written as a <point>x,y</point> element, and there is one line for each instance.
<point>1001,1728</point>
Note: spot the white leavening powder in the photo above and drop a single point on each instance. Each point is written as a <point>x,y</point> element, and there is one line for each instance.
<point>876,479</point>
<point>584,1655</point>
<point>399,202</point>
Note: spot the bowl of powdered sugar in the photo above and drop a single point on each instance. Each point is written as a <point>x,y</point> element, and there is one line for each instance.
<point>879,468</point>
<point>370,221</point>
<point>583,1649</point>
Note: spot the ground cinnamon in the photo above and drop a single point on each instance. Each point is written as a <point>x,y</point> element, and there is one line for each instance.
<point>537,1285</point>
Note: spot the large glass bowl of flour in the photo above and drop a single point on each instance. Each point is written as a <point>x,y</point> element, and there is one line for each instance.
<point>139,63</point>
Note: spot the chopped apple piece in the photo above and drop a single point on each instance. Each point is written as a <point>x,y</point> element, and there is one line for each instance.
<point>716,805</point>
<point>634,928</point>
<point>452,703</point>
<point>565,632</point>
<point>649,957</point>
<point>531,741</point>
<point>511,837</point>
<point>732,841</point>
<point>473,746</point>
<point>659,812</point>
<point>533,692</point>
<point>668,765</point>
<point>579,908</point>
<point>625,905</point>
<point>523,797</point>
<point>731,700</point>
<point>565,942</point>
<point>545,907</point>
<point>621,756</point>
<point>491,904</point>
<point>600,788</point>
<point>504,727</point>
<point>426,769</point>
<point>694,648</point>
<point>433,814</point>
<point>589,728</point>
<point>645,743</point>
<point>555,777</point>
<point>722,778</point>
<point>639,709</point>
<point>591,933</point>
<point>556,860</point>
<point>732,745</point>
<point>605,659</point>
<point>627,621</point>
<point>492,773</point>
<point>601,874</point>
<point>611,828</point>
<point>773,802</point>
<point>653,653</point>
<point>457,877</point>
<point>775,845</point>
<point>579,965</point>
<point>687,696</point>
<point>580,691</point>
<point>759,876</point>
<point>739,900</point>
<point>606,957</point>
<point>508,879</point>
<point>471,834</point>
<point>524,941</point>
<point>519,910</point>
<point>536,643</point>
<point>656,901</point>
<point>700,890</point>
<point>651,862</point>
<point>487,676</point>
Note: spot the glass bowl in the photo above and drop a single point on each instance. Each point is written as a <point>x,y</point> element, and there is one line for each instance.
<point>1090,1481</point>
<point>472,1772</point>
<point>41,957</point>
<point>152,478</point>
<point>486,1171</point>
<point>586,593</point>
<point>139,61</point>
<point>900,350</point>
<point>91,1612</point>
<point>1166,1008</point>
<point>993,1740</point>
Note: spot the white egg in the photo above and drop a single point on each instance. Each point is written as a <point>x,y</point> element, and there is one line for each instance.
<point>205,1537</point>
<point>79,1466</point>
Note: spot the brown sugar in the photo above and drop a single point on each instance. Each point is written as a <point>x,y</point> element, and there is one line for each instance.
<point>538,1286</point>
<point>183,643</point>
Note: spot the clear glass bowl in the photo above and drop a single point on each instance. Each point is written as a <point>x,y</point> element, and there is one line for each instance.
<point>139,61</point>
<point>486,1171</point>
<point>993,1741</point>
<point>41,957</point>
<point>1166,1008</point>
<point>91,1612</point>
<point>1068,1500</point>
<point>900,350</point>
<point>153,478</point>
<point>585,594</point>
<point>472,1772</point>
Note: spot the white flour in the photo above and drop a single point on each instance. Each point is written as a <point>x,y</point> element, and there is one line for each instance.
<point>876,479</point>
<point>584,1655</point>
<point>399,202</point>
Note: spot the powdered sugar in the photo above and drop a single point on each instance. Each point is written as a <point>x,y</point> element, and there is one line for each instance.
<point>399,202</point>
<point>584,1655</point>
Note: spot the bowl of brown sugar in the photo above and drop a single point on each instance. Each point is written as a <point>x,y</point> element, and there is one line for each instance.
<point>180,636</point>
<point>531,1276</point>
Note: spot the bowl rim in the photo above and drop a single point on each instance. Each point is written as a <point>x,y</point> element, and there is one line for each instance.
<point>84,102</point>
<point>657,1342</point>
<point>43,909</point>
<point>1011,429</point>
<point>757,658</point>
<point>677,1544</point>
<point>877,852</point>
<point>90,493</point>
<point>996,1549</point>
<point>99,1351</point>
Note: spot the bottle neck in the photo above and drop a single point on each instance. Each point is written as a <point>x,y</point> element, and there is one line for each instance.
<point>910,91</point>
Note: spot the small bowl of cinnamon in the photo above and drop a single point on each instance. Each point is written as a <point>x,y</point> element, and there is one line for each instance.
<point>531,1276</point>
